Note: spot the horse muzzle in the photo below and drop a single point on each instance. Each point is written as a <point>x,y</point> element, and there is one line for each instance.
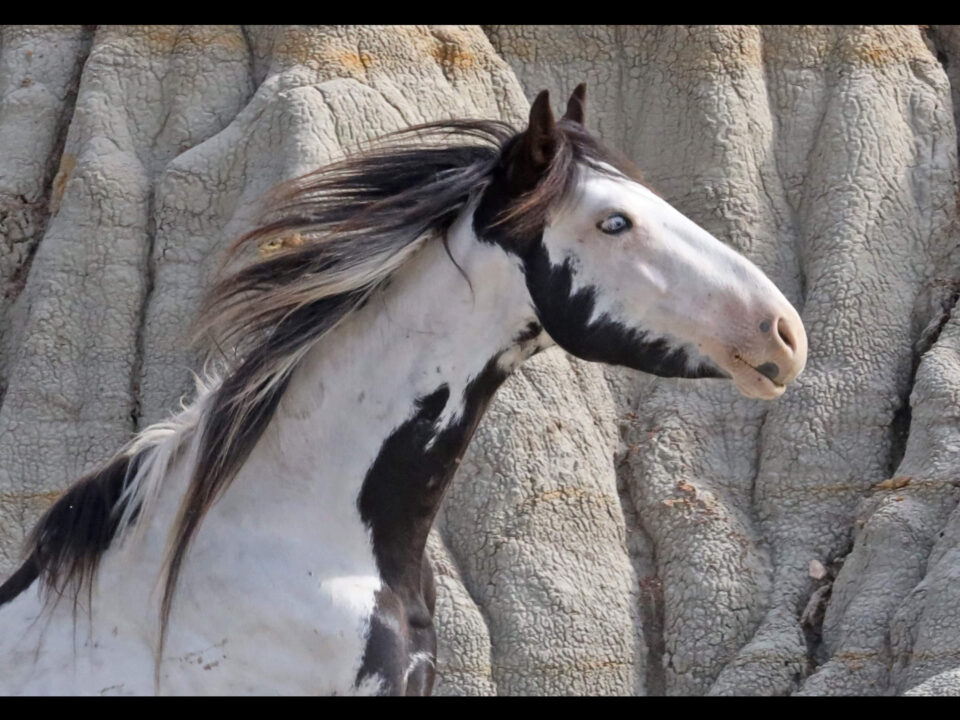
<point>768,358</point>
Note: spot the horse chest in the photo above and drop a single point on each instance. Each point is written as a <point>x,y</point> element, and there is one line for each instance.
<point>307,638</point>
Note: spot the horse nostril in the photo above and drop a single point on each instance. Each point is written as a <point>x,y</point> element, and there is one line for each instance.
<point>783,329</point>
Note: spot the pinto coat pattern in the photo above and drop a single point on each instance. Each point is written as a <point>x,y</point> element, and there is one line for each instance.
<point>271,537</point>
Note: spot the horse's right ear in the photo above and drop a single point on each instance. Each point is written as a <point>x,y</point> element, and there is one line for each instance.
<point>540,139</point>
<point>577,105</point>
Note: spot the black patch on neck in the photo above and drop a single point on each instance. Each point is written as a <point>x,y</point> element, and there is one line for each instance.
<point>403,488</point>
<point>566,316</point>
<point>399,500</point>
<point>68,541</point>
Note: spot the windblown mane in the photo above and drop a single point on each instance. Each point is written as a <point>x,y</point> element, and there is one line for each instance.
<point>343,231</point>
<point>352,225</point>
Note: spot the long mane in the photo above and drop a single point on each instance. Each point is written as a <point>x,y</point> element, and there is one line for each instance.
<point>348,227</point>
<point>340,233</point>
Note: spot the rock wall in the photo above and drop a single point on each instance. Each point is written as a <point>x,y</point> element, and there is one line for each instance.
<point>608,532</point>
<point>802,545</point>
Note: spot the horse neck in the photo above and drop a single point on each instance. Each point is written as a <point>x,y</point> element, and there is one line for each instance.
<point>378,414</point>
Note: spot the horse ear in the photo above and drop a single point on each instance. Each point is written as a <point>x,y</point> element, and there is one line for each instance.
<point>577,105</point>
<point>540,139</point>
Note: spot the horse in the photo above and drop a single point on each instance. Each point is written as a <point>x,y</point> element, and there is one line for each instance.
<point>270,537</point>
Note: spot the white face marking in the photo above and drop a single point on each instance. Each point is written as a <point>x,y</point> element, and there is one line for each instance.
<point>668,277</point>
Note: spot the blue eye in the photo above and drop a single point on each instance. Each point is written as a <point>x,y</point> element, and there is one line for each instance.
<point>615,224</point>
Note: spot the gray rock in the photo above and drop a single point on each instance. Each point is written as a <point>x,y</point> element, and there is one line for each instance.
<point>828,155</point>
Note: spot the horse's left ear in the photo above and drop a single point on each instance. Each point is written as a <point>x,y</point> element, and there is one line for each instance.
<point>529,159</point>
<point>577,105</point>
<point>540,139</point>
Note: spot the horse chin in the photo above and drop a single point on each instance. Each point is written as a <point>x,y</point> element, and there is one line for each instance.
<point>747,379</point>
<point>756,385</point>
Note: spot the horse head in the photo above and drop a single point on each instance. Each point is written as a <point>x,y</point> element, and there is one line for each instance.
<point>618,275</point>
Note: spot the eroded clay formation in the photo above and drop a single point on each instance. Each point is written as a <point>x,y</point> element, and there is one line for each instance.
<point>607,532</point>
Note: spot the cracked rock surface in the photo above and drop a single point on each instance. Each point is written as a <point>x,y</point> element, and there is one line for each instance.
<point>827,155</point>
<point>608,532</point>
